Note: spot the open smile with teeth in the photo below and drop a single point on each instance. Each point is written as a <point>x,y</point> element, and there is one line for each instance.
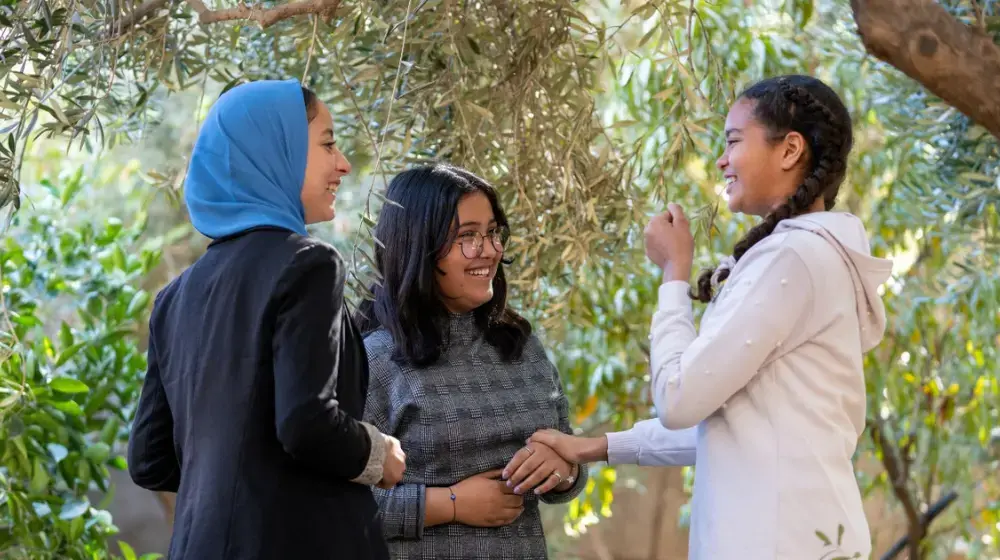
<point>332,187</point>
<point>480,272</point>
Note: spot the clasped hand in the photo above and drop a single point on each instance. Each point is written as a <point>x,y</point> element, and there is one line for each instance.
<point>669,243</point>
<point>537,466</point>
<point>496,498</point>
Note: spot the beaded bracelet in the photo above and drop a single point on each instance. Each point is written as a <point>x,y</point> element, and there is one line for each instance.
<point>454,506</point>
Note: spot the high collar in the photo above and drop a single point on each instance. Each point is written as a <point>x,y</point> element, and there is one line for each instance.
<point>462,328</point>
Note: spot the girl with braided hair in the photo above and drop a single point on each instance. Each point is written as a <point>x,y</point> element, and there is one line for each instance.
<point>768,396</point>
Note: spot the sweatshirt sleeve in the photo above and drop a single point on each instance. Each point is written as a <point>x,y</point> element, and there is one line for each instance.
<point>310,423</point>
<point>649,444</point>
<point>693,374</point>
<point>402,507</point>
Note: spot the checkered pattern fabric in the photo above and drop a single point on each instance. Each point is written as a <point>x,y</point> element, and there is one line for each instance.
<point>467,414</point>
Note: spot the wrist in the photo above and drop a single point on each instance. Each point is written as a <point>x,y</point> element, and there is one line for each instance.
<point>440,509</point>
<point>595,449</point>
<point>674,271</point>
<point>454,504</point>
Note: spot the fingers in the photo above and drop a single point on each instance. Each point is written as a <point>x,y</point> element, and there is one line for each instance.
<point>547,436</point>
<point>549,484</point>
<point>516,461</point>
<point>511,515</point>
<point>538,476</point>
<point>495,474</point>
<point>677,214</point>
<point>505,517</point>
<point>512,501</point>
<point>527,467</point>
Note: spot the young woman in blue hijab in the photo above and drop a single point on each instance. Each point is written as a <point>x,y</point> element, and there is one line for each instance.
<point>255,389</point>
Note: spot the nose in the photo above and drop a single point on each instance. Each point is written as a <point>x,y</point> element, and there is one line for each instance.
<point>489,251</point>
<point>723,162</point>
<point>343,166</point>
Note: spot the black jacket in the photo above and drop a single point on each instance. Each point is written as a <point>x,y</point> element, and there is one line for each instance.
<point>251,406</point>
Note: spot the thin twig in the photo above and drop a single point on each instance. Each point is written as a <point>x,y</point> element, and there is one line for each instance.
<point>264,18</point>
<point>385,130</point>
<point>312,46</point>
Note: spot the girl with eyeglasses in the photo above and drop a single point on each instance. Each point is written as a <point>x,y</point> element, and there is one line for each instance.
<point>458,378</point>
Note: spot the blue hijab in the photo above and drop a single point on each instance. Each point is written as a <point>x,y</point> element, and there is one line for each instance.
<point>249,161</point>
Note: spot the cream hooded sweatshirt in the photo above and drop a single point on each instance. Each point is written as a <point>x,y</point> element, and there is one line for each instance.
<point>768,399</point>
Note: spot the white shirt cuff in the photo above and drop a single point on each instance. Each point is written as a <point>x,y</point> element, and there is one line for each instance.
<point>674,294</point>
<point>623,448</point>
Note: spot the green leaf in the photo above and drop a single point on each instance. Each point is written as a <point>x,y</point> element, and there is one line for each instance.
<point>68,385</point>
<point>113,335</point>
<point>65,335</point>
<point>71,188</point>
<point>97,399</point>
<point>10,400</point>
<point>69,407</point>
<point>138,304</point>
<point>109,432</point>
<point>15,426</point>
<point>114,228</point>
<point>826,540</point>
<point>98,452</point>
<point>39,478</point>
<point>127,550</point>
<point>67,353</point>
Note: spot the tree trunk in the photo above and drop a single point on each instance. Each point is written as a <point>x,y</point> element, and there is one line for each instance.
<point>959,64</point>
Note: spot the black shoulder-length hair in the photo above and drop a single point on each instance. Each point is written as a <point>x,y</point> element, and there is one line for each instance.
<point>414,232</point>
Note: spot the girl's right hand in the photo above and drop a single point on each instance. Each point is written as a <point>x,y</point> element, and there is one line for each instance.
<point>484,500</point>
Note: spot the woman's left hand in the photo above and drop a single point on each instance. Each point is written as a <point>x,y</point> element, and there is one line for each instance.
<point>537,466</point>
<point>669,243</point>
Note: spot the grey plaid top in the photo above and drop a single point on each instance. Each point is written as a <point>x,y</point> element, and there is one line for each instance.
<point>467,414</point>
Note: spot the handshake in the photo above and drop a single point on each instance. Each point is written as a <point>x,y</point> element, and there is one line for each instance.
<point>549,461</point>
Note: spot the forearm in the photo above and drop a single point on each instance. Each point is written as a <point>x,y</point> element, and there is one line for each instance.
<point>402,510</point>
<point>649,444</point>
<point>593,449</point>
<point>439,508</point>
<point>333,443</point>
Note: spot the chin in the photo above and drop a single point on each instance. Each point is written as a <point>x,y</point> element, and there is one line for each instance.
<point>482,299</point>
<point>322,216</point>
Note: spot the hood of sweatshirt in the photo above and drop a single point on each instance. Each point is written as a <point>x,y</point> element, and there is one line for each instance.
<point>847,235</point>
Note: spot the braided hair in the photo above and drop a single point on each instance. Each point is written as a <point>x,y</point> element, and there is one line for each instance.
<point>805,105</point>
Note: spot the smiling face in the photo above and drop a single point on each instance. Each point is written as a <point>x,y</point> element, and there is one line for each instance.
<point>760,171</point>
<point>466,283</point>
<point>325,166</point>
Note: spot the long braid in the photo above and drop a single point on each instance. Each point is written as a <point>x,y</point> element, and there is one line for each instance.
<point>829,143</point>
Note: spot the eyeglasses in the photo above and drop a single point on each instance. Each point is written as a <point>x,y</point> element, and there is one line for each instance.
<point>472,241</point>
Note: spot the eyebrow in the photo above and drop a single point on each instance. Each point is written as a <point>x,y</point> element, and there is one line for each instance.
<point>465,224</point>
<point>732,130</point>
<point>327,132</point>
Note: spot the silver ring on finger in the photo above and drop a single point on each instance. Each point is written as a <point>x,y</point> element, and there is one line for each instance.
<point>557,475</point>
<point>529,450</point>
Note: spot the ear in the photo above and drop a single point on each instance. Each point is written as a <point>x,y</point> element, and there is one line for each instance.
<point>794,151</point>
